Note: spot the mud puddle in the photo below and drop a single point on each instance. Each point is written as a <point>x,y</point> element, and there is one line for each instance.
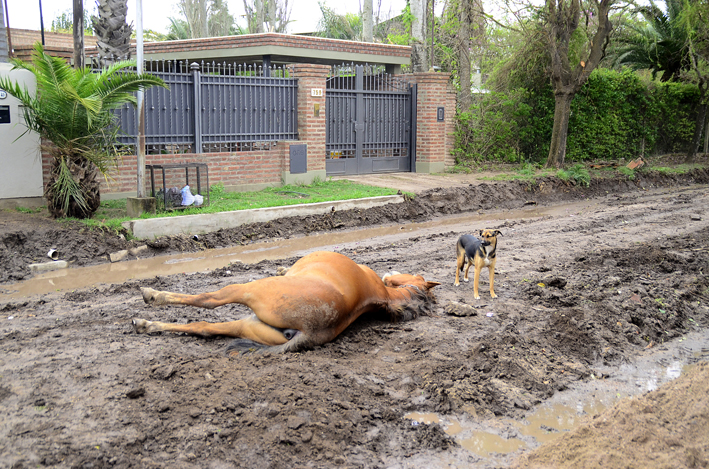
<point>504,438</point>
<point>111,273</point>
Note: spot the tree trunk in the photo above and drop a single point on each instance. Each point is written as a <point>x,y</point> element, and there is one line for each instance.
<point>367,21</point>
<point>85,173</point>
<point>271,16</point>
<point>418,47</point>
<point>694,145</point>
<point>260,15</point>
<point>463,53</point>
<point>562,113</point>
<point>78,33</point>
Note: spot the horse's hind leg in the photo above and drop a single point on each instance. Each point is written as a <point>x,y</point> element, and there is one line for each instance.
<point>230,294</point>
<point>249,328</point>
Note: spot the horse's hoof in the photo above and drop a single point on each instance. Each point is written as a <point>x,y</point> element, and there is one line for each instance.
<point>140,325</point>
<point>149,295</point>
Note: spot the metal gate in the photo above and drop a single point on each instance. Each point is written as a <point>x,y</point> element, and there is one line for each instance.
<point>371,122</point>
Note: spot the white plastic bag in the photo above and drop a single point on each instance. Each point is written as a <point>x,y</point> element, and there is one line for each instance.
<point>198,199</point>
<point>187,197</point>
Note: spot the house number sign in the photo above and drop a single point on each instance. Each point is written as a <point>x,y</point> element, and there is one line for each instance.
<point>316,92</point>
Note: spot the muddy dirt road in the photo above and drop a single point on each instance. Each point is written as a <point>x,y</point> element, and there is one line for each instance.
<point>618,275</point>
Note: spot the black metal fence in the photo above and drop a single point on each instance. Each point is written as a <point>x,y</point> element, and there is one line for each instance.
<point>371,118</point>
<point>214,107</point>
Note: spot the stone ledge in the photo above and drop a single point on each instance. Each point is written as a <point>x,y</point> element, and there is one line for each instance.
<point>210,222</point>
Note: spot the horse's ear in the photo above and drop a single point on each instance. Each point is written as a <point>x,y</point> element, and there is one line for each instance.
<point>430,285</point>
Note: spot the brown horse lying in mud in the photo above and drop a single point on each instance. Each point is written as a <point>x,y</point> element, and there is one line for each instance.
<point>317,298</point>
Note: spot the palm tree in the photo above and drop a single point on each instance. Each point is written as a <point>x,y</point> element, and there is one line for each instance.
<point>72,111</point>
<point>112,30</point>
<point>334,26</point>
<point>659,45</point>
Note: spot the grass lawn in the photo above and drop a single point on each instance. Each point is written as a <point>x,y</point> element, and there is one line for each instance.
<point>112,213</point>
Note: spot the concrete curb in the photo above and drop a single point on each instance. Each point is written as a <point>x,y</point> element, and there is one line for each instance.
<point>48,266</point>
<point>207,223</point>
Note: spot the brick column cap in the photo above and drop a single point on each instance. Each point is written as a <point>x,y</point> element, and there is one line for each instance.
<point>309,70</point>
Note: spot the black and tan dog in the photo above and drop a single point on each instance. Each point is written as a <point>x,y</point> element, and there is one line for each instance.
<point>472,251</point>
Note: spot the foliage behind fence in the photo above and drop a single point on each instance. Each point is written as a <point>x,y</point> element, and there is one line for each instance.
<point>615,115</point>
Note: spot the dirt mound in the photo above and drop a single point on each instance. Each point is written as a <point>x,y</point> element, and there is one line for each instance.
<point>664,428</point>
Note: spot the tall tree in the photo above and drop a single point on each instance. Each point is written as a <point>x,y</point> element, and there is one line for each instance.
<point>561,21</point>
<point>72,109</point>
<point>271,15</point>
<point>695,19</point>
<point>64,23</point>
<point>196,12</point>
<point>203,18</point>
<point>464,31</point>
<point>672,42</point>
<point>112,31</point>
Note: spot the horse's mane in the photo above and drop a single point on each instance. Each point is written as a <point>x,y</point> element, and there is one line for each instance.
<point>421,304</point>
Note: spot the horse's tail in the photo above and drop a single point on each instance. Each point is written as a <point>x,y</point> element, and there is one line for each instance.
<point>299,342</point>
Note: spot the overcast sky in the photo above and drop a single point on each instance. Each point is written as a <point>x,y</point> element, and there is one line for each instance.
<point>305,14</point>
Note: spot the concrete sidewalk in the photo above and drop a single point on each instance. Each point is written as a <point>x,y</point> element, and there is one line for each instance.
<point>417,182</point>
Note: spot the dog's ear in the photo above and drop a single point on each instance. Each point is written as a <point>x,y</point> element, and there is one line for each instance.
<point>480,232</point>
<point>498,233</point>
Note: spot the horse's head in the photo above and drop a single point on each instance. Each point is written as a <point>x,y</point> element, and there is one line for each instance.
<point>418,302</point>
<point>395,280</point>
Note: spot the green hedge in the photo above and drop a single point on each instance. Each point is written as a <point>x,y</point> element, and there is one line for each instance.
<point>615,115</point>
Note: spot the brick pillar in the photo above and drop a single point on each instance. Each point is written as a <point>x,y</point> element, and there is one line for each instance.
<point>311,121</point>
<point>434,138</point>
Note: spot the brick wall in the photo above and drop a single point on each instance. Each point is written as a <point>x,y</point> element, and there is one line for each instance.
<point>311,111</point>
<point>251,170</point>
<point>234,169</point>
<point>434,139</point>
<point>276,40</point>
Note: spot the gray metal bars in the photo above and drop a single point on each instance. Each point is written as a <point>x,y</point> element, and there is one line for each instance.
<point>214,108</point>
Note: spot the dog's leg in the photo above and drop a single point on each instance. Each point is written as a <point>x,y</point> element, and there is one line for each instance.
<point>476,282</point>
<point>491,270</point>
<point>467,269</point>
<point>459,264</point>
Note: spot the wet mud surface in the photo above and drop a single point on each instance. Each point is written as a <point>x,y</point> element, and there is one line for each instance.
<point>580,293</point>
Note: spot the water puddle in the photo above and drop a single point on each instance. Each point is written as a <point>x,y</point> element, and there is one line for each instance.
<point>568,409</point>
<point>80,277</point>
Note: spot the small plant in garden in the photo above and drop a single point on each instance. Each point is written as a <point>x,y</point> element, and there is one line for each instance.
<point>627,172</point>
<point>580,175</point>
<point>563,175</point>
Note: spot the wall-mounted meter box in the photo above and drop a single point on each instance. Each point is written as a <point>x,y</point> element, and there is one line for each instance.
<point>4,114</point>
<point>20,155</point>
